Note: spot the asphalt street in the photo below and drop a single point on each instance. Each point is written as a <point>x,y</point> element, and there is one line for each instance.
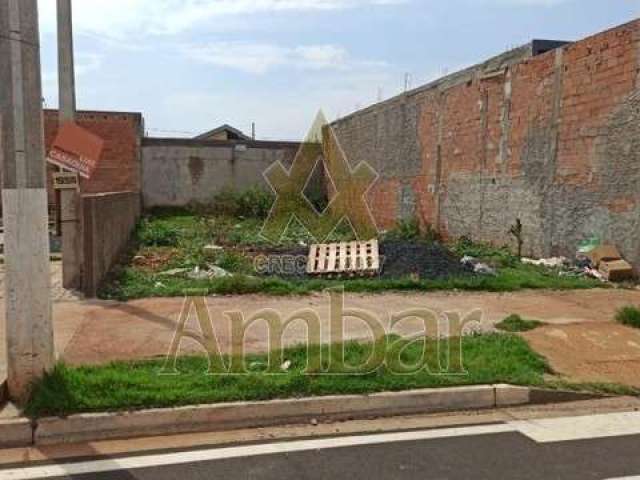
<point>595,447</point>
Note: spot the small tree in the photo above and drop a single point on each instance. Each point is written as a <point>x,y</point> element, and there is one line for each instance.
<point>516,231</point>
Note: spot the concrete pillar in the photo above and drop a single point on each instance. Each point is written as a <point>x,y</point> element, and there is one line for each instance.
<point>30,349</point>
<point>69,208</point>
<point>66,68</point>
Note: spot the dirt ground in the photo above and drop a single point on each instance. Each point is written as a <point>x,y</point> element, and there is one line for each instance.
<point>594,352</point>
<point>581,341</point>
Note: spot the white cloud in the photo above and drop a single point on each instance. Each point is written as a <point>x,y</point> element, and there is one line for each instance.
<point>117,18</point>
<point>259,58</point>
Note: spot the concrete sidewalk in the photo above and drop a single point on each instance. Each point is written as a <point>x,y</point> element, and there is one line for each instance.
<point>101,331</point>
<point>94,332</point>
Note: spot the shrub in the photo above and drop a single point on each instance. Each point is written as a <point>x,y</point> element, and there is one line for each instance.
<point>629,315</point>
<point>156,234</point>
<point>251,203</point>
<point>515,323</point>
<point>409,230</point>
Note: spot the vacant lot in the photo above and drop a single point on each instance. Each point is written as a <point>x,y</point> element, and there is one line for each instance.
<point>221,253</point>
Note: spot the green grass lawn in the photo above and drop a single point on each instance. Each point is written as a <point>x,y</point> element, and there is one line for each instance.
<point>131,283</point>
<point>497,358</point>
<point>176,239</point>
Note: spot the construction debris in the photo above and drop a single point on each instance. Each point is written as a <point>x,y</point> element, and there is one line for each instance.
<point>174,272</point>
<point>477,266</point>
<point>616,270</point>
<point>211,272</point>
<point>609,264</point>
<point>554,262</point>
<point>603,253</point>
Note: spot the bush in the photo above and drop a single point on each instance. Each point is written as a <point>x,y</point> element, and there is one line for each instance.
<point>156,234</point>
<point>410,230</point>
<point>515,323</point>
<point>252,203</point>
<point>629,315</point>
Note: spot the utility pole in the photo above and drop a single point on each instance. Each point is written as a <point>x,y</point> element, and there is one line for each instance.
<point>69,199</point>
<point>30,350</point>
<point>66,68</point>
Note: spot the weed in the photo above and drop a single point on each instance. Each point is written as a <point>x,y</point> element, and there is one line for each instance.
<point>156,234</point>
<point>629,315</point>
<point>251,203</point>
<point>515,323</point>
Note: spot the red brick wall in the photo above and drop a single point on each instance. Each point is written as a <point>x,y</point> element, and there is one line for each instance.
<point>119,167</point>
<point>551,139</point>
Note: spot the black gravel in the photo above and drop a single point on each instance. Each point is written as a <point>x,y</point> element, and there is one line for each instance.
<point>399,259</point>
<point>402,258</point>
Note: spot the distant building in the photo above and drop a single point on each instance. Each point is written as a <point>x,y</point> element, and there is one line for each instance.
<point>224,132</point>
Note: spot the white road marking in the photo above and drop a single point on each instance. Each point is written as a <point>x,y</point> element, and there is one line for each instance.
<point>180,458</point>
<point>565,429</point>
<point>625,478</point>
<point>540,430</point>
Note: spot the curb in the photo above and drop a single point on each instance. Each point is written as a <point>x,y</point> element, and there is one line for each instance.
<point>16,432</point>
<point>229,416</point>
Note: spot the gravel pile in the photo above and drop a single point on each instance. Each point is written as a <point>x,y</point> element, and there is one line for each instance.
<point>425,260</point>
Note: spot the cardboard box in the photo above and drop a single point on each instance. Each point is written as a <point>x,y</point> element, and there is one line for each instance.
<point>616,270</point>
<point>603,253</point>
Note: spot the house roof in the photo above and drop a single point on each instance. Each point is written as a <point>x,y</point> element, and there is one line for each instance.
<point>223,128</point>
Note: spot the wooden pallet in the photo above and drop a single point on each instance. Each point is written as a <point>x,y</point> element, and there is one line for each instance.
<point>344,258</point>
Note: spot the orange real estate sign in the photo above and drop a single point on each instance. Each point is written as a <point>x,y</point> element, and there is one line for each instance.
<point>76,149</point>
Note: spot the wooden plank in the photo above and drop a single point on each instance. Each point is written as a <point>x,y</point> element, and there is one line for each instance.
<point>322,259</point>
<point>362,255</point>
<point>331,266</point>
<point>312,261</point>
<point>353,255</point>
<point>344,247</point>
<point>375,255</point>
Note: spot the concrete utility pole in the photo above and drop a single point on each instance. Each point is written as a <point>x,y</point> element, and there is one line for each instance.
<point>69,199</point>
<point>30,349</point>
<point>66,68</point>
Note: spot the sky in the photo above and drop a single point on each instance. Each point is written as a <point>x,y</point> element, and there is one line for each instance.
<point>192,65</point>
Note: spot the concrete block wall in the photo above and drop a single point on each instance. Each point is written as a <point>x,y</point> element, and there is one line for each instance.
<point>179,172</point>
<point>108,221</point>
<point>552,138</point>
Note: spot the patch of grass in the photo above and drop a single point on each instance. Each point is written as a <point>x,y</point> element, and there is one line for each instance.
<point>515,323</point>
<point>135,385</point>
<point>629,315</point>
<point>593,388</point>
<point>130,283</point>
